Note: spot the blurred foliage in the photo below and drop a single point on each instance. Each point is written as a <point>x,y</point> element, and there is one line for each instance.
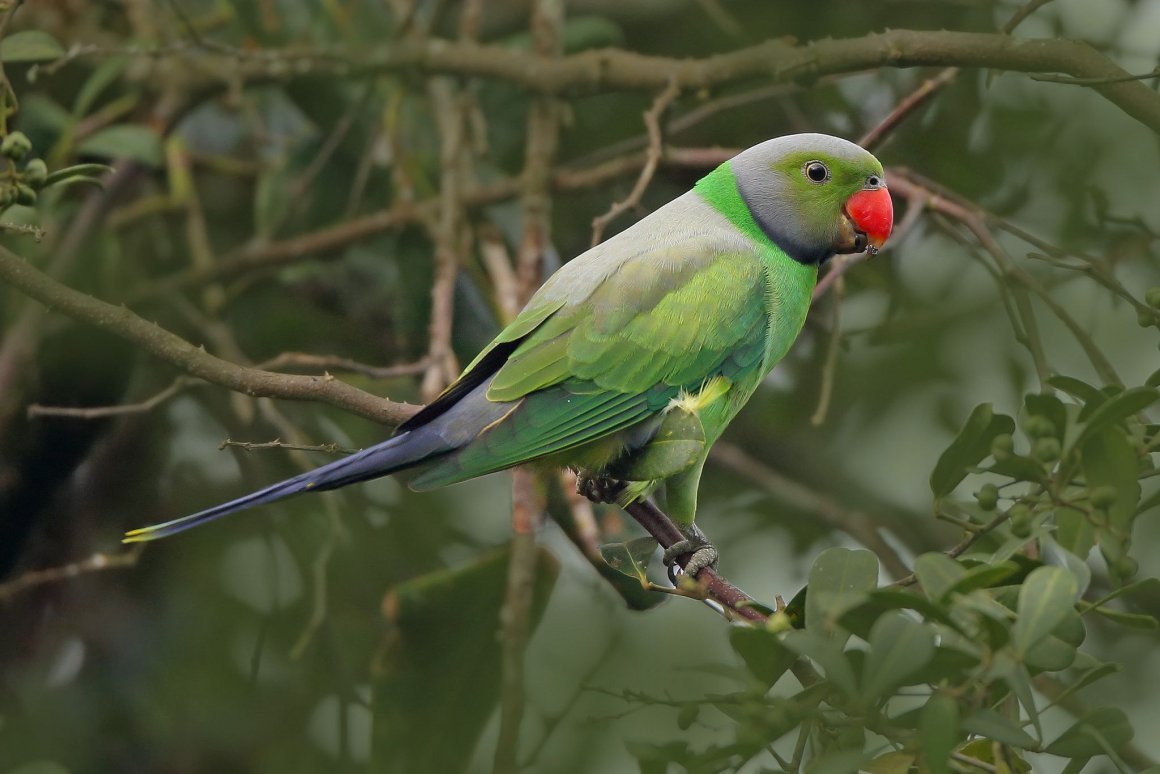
<point>364,631</point>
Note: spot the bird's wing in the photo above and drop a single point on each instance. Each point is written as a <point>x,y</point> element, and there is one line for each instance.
<point>591,357</point>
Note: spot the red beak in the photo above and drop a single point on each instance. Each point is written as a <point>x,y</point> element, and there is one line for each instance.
<point>873,215</point>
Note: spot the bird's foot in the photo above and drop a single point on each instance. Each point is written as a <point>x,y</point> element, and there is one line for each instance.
<point>704,553</point>
<point>599,489</point>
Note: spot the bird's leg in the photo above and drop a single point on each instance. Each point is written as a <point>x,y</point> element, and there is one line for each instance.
<point>597,488</point>
<point>704,553</point>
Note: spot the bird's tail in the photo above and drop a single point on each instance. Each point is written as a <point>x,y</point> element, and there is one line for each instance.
<point>398,453</point>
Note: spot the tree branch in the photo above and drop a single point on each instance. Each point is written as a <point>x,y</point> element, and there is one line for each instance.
<point>657,523</point>
<point>192,360</point>
<point>775,60</point>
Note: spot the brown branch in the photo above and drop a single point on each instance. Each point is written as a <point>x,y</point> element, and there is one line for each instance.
<point>327,242</point>
<point>516,614</point>
<point>912,102</point>
<point>776,60</point>
<point>100,412</point>
<point>653,154</point>
<point>975,220</point>
<point>95,563</point>
<point>337,363</point>
<point>278,443</point>
<point>192,360</point>
<point>448,105</point>
<point>528,492</point>
<point>1155,73</point>
<point>498,263</point>
<point>657,523</point>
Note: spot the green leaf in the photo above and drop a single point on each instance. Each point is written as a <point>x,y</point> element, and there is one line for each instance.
<point>30,46</point>
<point>839,579</point>
<point>125,141</point>
<point>88,172</point>
<point>1018,468</point>
<point>272,197</point>
<point>860,618</point>
<point>1091,675</point>
<point>763,652</point>
<point>1074,532</point>
<point>937,573</point>
<point>946,664</point>
<point>998,728</point>
<point>984,750</point>
<point>1141,621</point>
<point>443,640</point>
<point>827,654</point>
<point>104,75</point>
<point>1078,389</point>
<point>837,762</point>
<point>984,576</point>
<point>1093,734</point>
<point>1045,599</point>
<point>630,558</point>
<point>938,732</point>
<point>1051,654</point>
<point>899,647</point>
<point>1117,408</point>
<point>890,763</point>
<point>972,444</point>
<point>1110,460</point>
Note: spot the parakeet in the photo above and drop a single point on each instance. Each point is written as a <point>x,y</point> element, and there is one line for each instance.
<point>631,360</point>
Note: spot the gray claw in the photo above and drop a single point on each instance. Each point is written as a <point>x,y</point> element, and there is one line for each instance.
<point>598,489</point>
<point>704,554</point>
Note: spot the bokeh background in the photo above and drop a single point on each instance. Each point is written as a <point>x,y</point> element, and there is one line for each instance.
<point>255,644</point>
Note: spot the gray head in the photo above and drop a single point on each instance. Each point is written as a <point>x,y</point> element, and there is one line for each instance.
<point>815,195</point>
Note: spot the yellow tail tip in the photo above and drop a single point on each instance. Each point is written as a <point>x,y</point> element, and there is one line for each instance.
<point>137,536</point>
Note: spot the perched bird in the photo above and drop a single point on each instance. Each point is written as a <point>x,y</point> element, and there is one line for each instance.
<point>631,359</point>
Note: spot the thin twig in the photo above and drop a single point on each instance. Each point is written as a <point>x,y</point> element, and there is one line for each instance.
<point>328,242</point>
<point>912,102</point>
<point>961,547</point>
<point>976,222</point>
<point>336,363</point>
<point>194,361</point>
<point>528,492</point>
<point>446,232</point>
<point>603,70</point>
<point>277,443</point>
<point>95,563</point>
<point>652,121</point>
<point>100,412</point>
<point>1048,78</point>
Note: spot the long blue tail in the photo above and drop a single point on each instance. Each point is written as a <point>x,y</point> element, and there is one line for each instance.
<point>402,451</point>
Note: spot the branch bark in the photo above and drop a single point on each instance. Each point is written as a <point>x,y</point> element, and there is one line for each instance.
<point>657,523</point>
<point>774,60</point>
<point>192,360</point>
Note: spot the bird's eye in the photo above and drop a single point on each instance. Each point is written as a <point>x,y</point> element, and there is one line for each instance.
<point>873,181</point>
<point>817,172</point>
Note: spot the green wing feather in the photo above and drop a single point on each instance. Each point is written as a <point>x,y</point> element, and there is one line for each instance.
<point>589,367</point>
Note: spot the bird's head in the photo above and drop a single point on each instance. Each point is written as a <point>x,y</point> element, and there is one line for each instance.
<point>815,195</point>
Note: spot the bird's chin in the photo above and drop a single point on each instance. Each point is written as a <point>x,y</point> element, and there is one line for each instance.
<point>850,239</point>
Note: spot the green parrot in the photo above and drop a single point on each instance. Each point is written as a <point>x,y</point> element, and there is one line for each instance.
<point>631,360</point>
